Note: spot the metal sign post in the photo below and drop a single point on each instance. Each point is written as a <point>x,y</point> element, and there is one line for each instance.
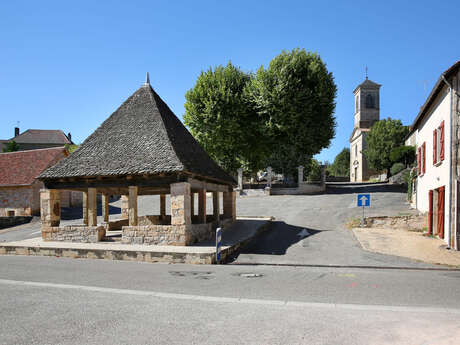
<point>364,200</point>
<point>218,244</point>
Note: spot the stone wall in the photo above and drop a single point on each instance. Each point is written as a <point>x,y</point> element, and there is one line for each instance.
<point>414,222</point>
<point>304,188</point>
<point>6,222</point>
<point>74,233</point>
<point>17,200</point>
<point>176,235</point>
<point>156,234</point>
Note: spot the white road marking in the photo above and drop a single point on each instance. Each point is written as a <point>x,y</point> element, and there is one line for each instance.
<point>36,232</point>
<point>304,233</point>
<point>300,304</point>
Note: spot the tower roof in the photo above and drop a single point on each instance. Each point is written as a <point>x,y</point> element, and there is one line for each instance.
<point>367,83</point>
<point>142,137</point>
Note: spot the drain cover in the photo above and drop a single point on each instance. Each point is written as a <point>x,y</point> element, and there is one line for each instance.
<point>251,275</point>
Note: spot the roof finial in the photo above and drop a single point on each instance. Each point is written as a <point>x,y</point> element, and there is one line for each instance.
<point>147,79</point>
<point>366,72</point>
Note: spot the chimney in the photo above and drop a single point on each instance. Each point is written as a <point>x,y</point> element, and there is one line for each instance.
<point>16,131</point>
<point>69,136</point>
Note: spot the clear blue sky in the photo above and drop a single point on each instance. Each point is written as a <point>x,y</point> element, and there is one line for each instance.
<point>69,65</point>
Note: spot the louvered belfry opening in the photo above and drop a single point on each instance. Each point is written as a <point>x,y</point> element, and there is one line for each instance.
<point>141,149</point>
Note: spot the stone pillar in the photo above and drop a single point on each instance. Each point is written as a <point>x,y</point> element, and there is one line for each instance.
<point>216,206</point>
<point>269,177</point>
<point>85,207</point>
<point>230,205</point>
<point>180,204</point>
<point>50,207</point>
<point>92,207</point>
<point>240,179</point>
<point>132,205</point>
<point>202,206</point>
<point>105,207</point>
<point>323,174</point>
<point>124,207</point>
<point>162,206</point>
<point>300,174</point>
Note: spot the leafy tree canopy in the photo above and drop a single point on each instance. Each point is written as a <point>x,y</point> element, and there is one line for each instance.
<point>294,98</point>
<point>403,154</point>
<point>341,165</point>
<point>222,120</point>
<point>384,136</point>
<point>11,146</point>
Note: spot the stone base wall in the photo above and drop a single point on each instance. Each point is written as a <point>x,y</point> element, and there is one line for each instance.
<point>305,188</point>
<point>74,233</point>
<point>6,222</point>
<point>175,235</point>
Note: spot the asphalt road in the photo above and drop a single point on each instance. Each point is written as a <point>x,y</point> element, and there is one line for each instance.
<point>308,230</point>
<point>48,300</point>
<point>75,301</point>
<point>311,230</point>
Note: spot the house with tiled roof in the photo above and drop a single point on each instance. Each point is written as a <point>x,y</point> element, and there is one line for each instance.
<point>19,186</point>
<point>436,136</point>
<point>33,139</point>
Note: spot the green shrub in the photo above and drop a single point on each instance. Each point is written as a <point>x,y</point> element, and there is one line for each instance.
<point>396,168</point>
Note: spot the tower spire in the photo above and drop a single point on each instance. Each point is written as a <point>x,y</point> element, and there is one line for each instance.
<point>147,79</point>
<point>366,72</point>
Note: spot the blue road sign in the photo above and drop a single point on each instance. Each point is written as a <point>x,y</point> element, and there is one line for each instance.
<point>364,200</point>
<point>218,244</point>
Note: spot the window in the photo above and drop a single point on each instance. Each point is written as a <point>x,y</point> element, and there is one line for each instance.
<point>356,150</point>
<point>421,159</point>
<point>369,101</point>
<point>438,144</point>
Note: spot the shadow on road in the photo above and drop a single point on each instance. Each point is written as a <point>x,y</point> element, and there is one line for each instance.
<point>277,239</point>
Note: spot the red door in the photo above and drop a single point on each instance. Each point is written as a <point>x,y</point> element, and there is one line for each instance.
<point>441,212</point>
<point>430,212</point>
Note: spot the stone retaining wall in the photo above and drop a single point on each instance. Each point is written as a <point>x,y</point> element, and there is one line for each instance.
<point>412,222</point>
<point>6,222</point>
<point>305,188</point>
<point>74,233</point>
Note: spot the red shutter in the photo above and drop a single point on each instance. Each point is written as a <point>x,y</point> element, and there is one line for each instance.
<point>441,139</point>
<point>430,212</point>
<point>424,157</point>
<point>435,138</point>
<point>419,160</point>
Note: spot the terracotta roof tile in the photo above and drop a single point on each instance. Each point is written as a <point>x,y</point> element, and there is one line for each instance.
<point>23,167</point>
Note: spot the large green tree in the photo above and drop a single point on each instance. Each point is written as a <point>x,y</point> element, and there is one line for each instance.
<point>222,119</point>
<point>11,146</point>
<point>295,100</point>
<point>384,137</point>
<point>341,165</point>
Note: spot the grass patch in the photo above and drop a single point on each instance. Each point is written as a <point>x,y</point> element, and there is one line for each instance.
<point>353,223</point>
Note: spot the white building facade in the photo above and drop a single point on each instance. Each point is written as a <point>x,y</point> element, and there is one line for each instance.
<point>433,133</point>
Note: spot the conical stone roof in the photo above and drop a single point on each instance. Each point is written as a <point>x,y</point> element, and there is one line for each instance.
<point>143,136</point>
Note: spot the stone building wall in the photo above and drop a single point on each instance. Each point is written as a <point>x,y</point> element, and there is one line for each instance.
<point>25,200</point>
<point>17,200</point>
